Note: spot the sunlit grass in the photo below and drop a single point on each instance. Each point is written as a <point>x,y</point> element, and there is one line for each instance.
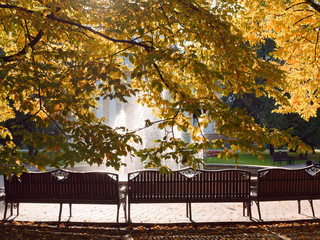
<point>248,159</point>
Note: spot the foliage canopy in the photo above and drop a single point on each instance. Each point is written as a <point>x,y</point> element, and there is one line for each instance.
<point>58,57</point>
<point>294,26</point>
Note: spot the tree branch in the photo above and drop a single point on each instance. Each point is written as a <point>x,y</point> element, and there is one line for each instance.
<point>308,40</point>
<point>297,4</point>
<point>78,25</point>
<point>191,6</point>
<point>8,6</point>
<point>71,23</point>
<point>22,52</point>
<point>315,48</point>
<point>27,118</point>
<point>314,5</point>
<point>304,18</point>
<point>57,125</point>
<point>160,75</point>
<point>156,122</point>
<point>165,14</point>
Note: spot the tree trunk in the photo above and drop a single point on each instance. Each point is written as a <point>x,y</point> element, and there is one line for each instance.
<point>31,151</point>
<point>313,149</point>
<point>271,148</point>
<point>304,156</point>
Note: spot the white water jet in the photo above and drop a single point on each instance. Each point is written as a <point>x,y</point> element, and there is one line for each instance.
<point>133,116</point>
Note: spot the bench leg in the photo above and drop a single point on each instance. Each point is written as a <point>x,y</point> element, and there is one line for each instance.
<point>18,212</point>
<point>249,210</point>
<point>189,212</point>
<point>60,212</point>
<point>247,206</point>
<point>258,206</point>
<point>12,206</point>
<point>118,209</point>
<point>125,211</point>
<point>5,211</point>
<point>244,208</point>
<point>311,204</point>
<point>70,209</point>
<point>11,209</point>
<point>299,206</point>
<point>129,218</point>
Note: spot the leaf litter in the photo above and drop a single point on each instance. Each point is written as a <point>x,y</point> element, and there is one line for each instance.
<point>282,231</point>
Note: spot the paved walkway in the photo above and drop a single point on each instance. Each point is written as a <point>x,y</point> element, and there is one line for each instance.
<point>165,213</point>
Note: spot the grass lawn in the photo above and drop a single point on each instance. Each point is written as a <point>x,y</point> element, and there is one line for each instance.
<point>25,153</point>
<point>248,159</point>
<point>244,159</point>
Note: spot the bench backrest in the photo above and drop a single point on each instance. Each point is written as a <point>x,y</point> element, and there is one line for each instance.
<point>280,155</point>
<point>286,184</point>
<point>188,185</point>
<point>61,185</point>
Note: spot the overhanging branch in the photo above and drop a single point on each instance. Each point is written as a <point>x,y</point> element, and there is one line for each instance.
<point>314,5</point>
<point>69,22</point>
<point>22,52</point>
<point>51,16</point>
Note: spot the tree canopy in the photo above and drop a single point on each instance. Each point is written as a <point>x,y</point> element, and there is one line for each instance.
<point>59,57</point>
<point>294,26</point>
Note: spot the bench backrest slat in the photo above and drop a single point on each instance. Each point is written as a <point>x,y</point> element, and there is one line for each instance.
<point>60,185</point>
<point>188,185</point>
<point>284,184</point>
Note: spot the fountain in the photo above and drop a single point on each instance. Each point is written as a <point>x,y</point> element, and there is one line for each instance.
<point>133,116</point>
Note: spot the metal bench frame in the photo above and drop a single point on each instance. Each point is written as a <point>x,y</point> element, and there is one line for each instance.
<point>189,186</point>
<point>63,187</point>
<point>281,184</point>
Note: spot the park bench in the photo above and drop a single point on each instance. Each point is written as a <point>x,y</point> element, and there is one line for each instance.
<point>63,187</point>
<point>280,184</point>
<point>210,153</point>
<point>282,157</point>
<point>189,186</point>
